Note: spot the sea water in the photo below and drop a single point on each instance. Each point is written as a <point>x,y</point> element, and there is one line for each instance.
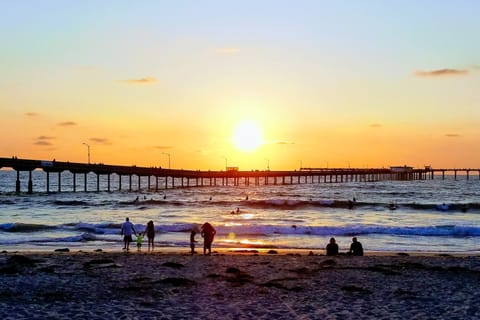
<point>439,215</point>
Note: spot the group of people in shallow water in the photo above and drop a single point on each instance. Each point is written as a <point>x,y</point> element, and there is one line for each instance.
<point>128,230</point>
<point>207,232</point>
<point>356,248</point>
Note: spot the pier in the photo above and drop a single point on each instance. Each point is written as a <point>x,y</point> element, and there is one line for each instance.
<point>161,178</point>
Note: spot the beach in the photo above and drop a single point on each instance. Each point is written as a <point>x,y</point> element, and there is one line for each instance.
<point>241,284</point>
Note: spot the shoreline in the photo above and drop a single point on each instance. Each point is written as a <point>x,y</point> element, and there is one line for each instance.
<point>234,250</point>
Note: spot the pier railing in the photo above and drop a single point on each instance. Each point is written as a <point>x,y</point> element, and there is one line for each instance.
<point>171,178</point>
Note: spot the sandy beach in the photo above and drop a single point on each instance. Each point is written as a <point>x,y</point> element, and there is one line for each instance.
<point>233,285</point>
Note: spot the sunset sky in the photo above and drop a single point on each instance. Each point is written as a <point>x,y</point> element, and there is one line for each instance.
<point>244,83</point>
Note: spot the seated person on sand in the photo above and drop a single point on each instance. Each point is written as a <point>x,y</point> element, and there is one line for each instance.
<point>356,248</point>
<point>332,248</point>
<point>208,233</point>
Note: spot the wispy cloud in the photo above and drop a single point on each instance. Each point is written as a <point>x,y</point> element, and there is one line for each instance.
<point>441,73</point>
<point>31,114</point>
<point>375,125</point>
<point>43,141</point>
<point>100,140</point>
<point>163,147</point>
<point>281,142</point>
<point>45,138</point>
<point>141,81</point>
<point>452,135</point>
<point>67,124</point>
<point>227,51</point>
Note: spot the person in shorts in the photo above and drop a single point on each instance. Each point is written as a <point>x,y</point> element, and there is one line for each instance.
<point>127,230</point>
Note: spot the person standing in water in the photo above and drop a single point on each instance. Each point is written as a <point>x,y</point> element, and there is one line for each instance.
<point>150,232</point>
<point>127,230</point>
<point>192,240</point>
<point>208,233</point>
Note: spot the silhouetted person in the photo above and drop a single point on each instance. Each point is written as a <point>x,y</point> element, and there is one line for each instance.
<point>127,231</point>
<point>208,233</point>
<point>150,232</point>
<point>356,248</point>
<point>332,248</point>
<point>350,204</point>
<point>139,241</point>
<point>192,240</point>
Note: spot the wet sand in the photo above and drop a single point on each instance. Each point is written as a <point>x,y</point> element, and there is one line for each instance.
<point>237,285</point>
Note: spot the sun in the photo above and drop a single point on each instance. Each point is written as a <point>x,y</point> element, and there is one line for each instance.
<point>247,136</point>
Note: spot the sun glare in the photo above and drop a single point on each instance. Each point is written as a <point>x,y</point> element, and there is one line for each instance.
<point>247,136</point>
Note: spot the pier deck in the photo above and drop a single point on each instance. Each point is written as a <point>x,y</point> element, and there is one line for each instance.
<point>171,178</point>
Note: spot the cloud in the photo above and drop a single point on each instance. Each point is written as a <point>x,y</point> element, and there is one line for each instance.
<point>284,142</point>
<point>227,51</point>
<point>452,135</point>
<point>100,140</point>
<point>31,114</point>
<point>375,125</point>
<point>67,124</point>
<point>441,73</point>
<point>146,80</point>
<point>43,141</point>
<point>45,138</point>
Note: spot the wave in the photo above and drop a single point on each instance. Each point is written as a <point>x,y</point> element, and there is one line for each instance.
<point>107,229</point>
<point>71,203</point>
<point>448,231</point>
<point>289,204</point>
<point>24,227</point>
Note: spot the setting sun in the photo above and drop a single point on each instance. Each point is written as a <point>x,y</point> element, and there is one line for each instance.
<point>247,136</point>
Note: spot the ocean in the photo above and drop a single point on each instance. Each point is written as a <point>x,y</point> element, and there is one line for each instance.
<point>428,215</point>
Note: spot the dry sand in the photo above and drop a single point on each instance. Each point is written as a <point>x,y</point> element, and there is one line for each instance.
<point>119,285</point>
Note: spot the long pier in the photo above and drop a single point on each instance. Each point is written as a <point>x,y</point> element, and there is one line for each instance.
<point>197,178</point>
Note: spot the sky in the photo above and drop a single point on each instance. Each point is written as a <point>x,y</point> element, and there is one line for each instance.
<point>261,85</point>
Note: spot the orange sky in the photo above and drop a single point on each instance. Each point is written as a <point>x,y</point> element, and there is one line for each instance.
<point>368,85</point>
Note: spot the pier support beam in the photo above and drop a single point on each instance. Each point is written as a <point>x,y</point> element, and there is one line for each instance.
<point>30,182</point>
<point>17,185</point>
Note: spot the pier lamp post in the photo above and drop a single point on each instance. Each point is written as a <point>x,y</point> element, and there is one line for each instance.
<point>88,151</point>
<point>268,164</point>
<point>168,154</point>
<point>301,165</point>
<point>226,163</point>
